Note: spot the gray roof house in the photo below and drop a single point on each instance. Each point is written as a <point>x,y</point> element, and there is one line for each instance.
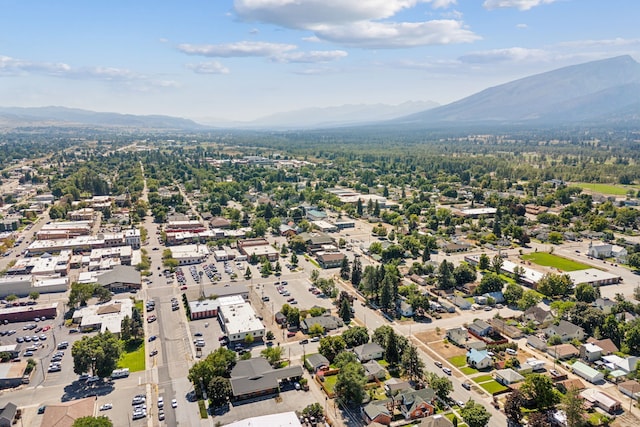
<point>461,303</point>
<point>316,361</point>
<point>373,369</point>
<point>7,414</point>
<point>508,376</point>
<point>329,323</point>
<point>538,315</point>
<point>368,351</point>
<point>458,336</point>
<point>437,420</point>
<point>480,328</point>
<point>256,377</point>
<point>567,331</point>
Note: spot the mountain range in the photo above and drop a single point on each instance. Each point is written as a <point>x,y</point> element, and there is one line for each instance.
<point>598,92</point>
<point>605,91</point>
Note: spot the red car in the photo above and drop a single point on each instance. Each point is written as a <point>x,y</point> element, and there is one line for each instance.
<point>151,319</point>
<point>291,299</point>
<point>291,334</point>
<point>184,288</point>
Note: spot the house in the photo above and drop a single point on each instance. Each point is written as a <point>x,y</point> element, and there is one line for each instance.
<point>567,331</point>
<point>570,384</point>
<point>536,342</point>
<point>330,259</point>
<point>535,364</point>
<point>405,309</point>
<point>626,364</point>
<point>503,327</point>
<point>64,414</point>
<point>437,420</point>
<point>508,376</point>
<point>393,386</point>
<point>601,400</point>
<point>377,412</point>
<point>607,346</point>
<point>587,372</point>
<point>458,336</point>
<point>461,303</point>
<point>563,351</point>
<point>630,388</point>
<point>256,377</point>
<point>316,361</point>
<point>329,323</point>
<point>538,315</point>
<point>416,404</point>
<point>479,359</point>
<point>480,328</point>
<point>498,297</point>
<point>608,251</point>
<point>368,351</point>
<point>590,352</point>
<point>373,369</point>
<point>8,414</point>
<point>604,304</point>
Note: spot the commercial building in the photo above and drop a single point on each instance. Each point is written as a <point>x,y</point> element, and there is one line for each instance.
<point>104,317</point>
<point>203,309</point>
<point>11,374</point>
<point>122,278</point>
<point>190,254</point>
<point>255,377</point>
<point>64,414</point>
<point>29,312</point>
<point>258,247</point>
<point>587,372</point>
<point>593,277</point>
<point>238,319</point>
<point>283,419</point>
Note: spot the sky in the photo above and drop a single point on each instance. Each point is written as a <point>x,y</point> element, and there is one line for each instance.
<point>238,60</point>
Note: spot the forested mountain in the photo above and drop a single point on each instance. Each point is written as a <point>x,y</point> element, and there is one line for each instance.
<point>606,91</point>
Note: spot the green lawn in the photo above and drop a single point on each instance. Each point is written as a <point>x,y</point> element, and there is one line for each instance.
<point>330,382</point>
<point>493,387</point>
<point>550,260</point>
<point>451,416</point>
<point>133,357</point>
<point>468,370</point>
<point>458,361</point>
<point>613,190</point>
<point>138,305</point>
<point>482,378</point>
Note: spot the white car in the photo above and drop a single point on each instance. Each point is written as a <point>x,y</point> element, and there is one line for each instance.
<point>160,402</point>
<point>174,403</point>
<point>106,407</point>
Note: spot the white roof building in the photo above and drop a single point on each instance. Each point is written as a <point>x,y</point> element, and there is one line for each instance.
<point>239,319</point>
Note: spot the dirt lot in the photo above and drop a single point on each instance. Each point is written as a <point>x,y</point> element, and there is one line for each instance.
<point>429,336</point>
<point>435,343</point>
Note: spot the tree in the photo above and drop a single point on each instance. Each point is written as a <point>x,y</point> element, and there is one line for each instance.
<point>391,351</point>
<point>126,328</point>
<point>464,273</point>
<point>293,318</point>
<point>98,354</point>
<point>445,277</point>
<point>345,358</point>
<point>80,293</point>
<point>356,272</point>
<point>345,270</point>
<point>356,336</point>
<point>513,407</point>
<point>350,383</point>
<point>611,329</point>
<point>475,415</point>
<point>512,293</point>
<point>490,282</point>
<point>584,292</point>
<point>316,330</point>
<point>219,391</point>
<point>528,300</point>
<point>496,263</point>
<point>442,386</point>
<point>34,295</point>
<point>247,273</point>
<point>330,346</point>
<point>90,421</point>
<point>345,310</point>
<point>537,419</point>
<point>539,388</point>
<point>11,298</point>
<point>483,262</point>
<point>554,285</point>
<point>272,354</point>
<point>313,410</point>
<point>573,408</point>
<point>411,363</point>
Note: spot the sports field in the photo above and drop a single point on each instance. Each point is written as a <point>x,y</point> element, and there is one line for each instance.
<point>550,260</point>
<point>609,189</point>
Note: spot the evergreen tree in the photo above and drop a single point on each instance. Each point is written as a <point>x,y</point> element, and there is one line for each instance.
<point>345,270</point>
<point>392,353</point>
<point>356,272</point>
<point>345,310</point>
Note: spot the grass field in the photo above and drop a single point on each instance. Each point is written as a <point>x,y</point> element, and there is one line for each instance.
<point>609,189</point>
<point>330,382</point>
<point>133,357</point>
<point>550,260</point>
<point>458,361</point>
<point>482,379</point>
<point>468,370</point>
<point>493,387</point>
<point>451,416</point>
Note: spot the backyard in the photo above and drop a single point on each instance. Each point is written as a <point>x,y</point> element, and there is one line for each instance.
<point>550,260</point>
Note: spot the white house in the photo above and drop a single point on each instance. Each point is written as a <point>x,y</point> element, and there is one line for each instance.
<point>587,372</point>
<point>608,251</point>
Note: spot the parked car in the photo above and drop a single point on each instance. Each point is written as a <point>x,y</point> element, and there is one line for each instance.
<point>466,385</point>
<point>106,407</point>
<point>446,371</point>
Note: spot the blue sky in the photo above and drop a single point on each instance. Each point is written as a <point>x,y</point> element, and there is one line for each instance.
<point>244,59</point>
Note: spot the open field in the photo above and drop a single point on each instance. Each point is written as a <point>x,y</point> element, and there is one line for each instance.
<point>550,260</point>
<point>133,357</point>
<point>608,189</point>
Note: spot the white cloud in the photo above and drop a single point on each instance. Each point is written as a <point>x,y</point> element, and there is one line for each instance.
<point>212,67</point>
<point>358,22</point>
<point>513,54</point>
<point>314,56</point>
<point>518,4</point>
<point>398,34</point>
<point>522,26</point>
<point>239,49</point>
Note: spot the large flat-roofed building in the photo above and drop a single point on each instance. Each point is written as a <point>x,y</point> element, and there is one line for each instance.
<point>255,377</point>
<point>84,243</point>
<point>23,285</point>
<point>190,254</point>
<point>593,277</point>
<point>11,374</point>
<point>121,279</point>
<point>121,255</point>
<point>188,225</point>
<point>84,214</point>
<point>203,309</point>
<point>28,313</point>
<point>475,212</point>
<point>45,265</point>
<point>104,317</point>
<point>238,319</point>
<point>259,248</point>
<point>283,419</point>
<point>64,229</point>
